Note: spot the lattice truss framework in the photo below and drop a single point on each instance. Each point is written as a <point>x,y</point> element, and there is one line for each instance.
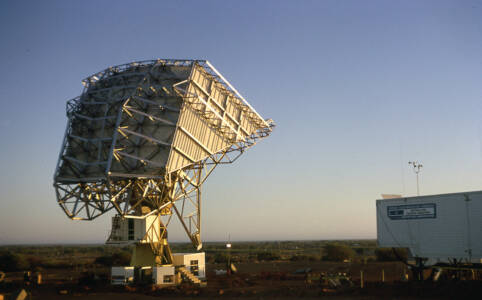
<point>131,142</point>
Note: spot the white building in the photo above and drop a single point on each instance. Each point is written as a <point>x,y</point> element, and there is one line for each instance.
<point>440,228</point>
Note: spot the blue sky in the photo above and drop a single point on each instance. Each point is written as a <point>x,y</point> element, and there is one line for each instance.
<point>357,89</point>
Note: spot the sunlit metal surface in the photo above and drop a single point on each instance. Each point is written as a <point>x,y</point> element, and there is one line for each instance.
<point>143,137</point>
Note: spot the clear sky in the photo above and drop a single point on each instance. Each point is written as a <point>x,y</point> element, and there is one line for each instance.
<point>357,89</point>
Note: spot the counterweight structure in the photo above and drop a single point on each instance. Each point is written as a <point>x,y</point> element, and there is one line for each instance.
<point>143,137</point>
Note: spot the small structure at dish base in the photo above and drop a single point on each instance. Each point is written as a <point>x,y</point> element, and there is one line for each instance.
<point>130,230</point>
<point>193,262</point>
<point>437,229</point>
<point>191,266</point>
<point>142,139</point>
<point>122,275</point>
<point>164,275</point>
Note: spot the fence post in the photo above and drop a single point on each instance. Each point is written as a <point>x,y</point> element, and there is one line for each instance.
<point>383,275</point>
<point>361,278</point>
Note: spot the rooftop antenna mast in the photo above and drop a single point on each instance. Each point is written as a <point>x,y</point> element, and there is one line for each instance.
<point>416,169</point>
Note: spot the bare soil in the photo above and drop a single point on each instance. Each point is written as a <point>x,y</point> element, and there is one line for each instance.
<point>264,280</point>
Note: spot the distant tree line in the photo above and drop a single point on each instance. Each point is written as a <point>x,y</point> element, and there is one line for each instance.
<point>12,262</point>
<point>336,252</point>
<point>17,258</point>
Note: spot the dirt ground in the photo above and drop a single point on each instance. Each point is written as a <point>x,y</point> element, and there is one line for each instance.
<point>266,280</point>
<point>372,272</point>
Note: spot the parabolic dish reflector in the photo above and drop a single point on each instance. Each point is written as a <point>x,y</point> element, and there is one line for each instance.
<point>144,135</point>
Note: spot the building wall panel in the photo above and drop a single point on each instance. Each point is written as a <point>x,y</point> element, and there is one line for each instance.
<point>438,227</point>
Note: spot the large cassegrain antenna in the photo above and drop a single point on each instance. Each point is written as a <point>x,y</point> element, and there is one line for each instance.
<point>141,139</point>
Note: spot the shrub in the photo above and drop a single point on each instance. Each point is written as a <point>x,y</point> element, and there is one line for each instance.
<point>336,252</point>
<point>360,251</point>
<point>121,259</point>
<point>35,262</point>
<point>304,257</point>
<point>391,254</point>
<point>116,259</point>
<point>10,262</point>
<point>267,256</point>
<point>220,258</point>
<point>105,260</point>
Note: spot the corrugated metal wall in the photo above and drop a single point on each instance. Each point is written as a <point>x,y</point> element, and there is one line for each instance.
<point>453,230</point>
